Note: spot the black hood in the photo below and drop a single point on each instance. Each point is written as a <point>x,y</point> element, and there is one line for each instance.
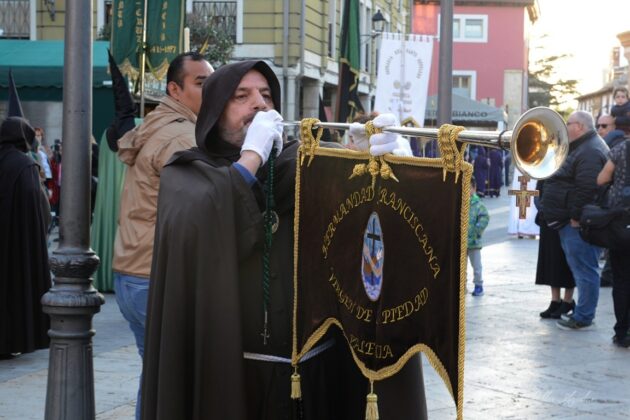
<point>18,132</point>
<point>217,91</point>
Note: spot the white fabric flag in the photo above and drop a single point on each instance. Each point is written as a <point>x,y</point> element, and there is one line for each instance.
<point>403,76</point>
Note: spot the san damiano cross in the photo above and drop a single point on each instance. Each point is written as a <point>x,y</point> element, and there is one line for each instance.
<point>523,196</point>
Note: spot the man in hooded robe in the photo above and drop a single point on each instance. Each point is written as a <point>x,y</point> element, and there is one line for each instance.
<point>496,173</point>
<point>24,219</point>
<point>481,167</point>
<point>215,346</point>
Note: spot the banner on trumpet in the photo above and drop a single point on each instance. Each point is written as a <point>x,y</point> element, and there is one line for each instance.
<point>383,258</point>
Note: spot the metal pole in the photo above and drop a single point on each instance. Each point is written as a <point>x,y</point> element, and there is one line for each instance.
<point>143,58</point>
<point>72,301</point>
<point>445,77</point>
<point>373,64</point>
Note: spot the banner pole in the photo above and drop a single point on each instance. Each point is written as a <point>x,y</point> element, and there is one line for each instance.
<point>143,58</point>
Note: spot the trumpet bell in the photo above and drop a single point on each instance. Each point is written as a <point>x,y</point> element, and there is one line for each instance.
<point>539,142</point>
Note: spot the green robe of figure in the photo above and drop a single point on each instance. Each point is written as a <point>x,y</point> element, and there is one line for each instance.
<point>105,222</point>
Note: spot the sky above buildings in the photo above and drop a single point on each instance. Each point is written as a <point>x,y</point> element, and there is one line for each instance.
<point>586,30</point>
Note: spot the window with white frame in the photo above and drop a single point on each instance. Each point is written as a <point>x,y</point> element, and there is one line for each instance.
<point>469,28</point>
<point>332,28</point>
<point>465,83</point>
<point>227,16</point>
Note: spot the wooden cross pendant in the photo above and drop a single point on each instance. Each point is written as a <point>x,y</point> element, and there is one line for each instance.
<point>265,334</point>
<point>522,196</point>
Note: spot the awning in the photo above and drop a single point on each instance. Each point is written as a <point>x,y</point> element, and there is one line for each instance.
<point>40,63</point>
<point>466,111</point>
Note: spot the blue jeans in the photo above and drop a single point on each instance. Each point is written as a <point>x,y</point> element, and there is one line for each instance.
<point>131,296</point>
<point>583,259</point>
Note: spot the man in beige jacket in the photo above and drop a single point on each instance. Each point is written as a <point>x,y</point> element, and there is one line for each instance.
<point>145,150</point>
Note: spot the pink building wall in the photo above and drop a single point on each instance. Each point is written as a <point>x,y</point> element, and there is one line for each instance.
<point>505,49</point>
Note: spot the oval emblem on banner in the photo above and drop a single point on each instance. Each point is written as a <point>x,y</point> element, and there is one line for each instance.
<point>373,258</point>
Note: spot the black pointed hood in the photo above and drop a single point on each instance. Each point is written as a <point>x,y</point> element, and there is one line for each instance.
<point>18,132</point>
<point>125,107</point>
<point>14,104</point>
<point>217,91</point>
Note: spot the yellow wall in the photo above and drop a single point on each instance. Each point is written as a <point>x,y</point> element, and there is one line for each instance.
<point>48,29</point>
<point>263,25</point>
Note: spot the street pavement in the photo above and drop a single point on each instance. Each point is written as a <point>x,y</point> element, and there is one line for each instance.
<point>517,365</point>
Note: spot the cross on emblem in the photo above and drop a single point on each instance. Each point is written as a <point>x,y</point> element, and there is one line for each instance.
<point>375,238</point>
<point>522,196</point>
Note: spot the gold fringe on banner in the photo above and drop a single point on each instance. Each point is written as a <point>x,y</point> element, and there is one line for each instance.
<point>127,69</point>
<point>159,71</point>
<point>451,157</point>
<point>309,143</point>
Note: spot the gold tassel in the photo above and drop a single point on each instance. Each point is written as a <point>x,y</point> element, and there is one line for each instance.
<point>386,171</point>
<point>358,170</point>
<point>296,389</point>
<point>371,409</point>
<point>373,169</point>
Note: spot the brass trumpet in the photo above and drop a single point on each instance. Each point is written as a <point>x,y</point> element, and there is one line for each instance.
<point>539,140</point>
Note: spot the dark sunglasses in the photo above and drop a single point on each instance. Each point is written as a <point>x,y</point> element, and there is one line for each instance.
<point>601,126</point>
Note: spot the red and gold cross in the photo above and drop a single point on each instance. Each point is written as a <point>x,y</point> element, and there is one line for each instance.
<point>522,196</point>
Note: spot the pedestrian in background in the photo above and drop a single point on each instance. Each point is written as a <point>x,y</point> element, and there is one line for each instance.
<point>615,171</point>
<point>24,219</point>
<point>552,268</point>
<point>621,110</point>
<point>478,219</point>
<point>507,163</point>
<point>169,128</point>
<point>607,130</point>
<point>566,193</point>
<point>496,173</point>
<point>481,167</point>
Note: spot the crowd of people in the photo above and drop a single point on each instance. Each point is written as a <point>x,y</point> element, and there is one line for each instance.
<point>491,168</point>
<point>186,258</point>
<point>596,158</point>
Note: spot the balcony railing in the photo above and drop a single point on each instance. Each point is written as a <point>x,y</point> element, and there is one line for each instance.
<point>221,15</point>
<point>15,19</point>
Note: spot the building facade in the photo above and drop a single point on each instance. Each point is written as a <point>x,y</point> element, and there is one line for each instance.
<point>490,49</point>
<point>600,102</point>
<point>300,40</point>
<point>41,19</point>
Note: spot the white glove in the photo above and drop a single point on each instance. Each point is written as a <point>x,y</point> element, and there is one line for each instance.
<point>388,142</point>
<point>359,138</point>
<point>263,133</point>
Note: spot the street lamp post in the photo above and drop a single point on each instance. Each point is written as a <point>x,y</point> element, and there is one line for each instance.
<point>378,24</point>
<point>445,76</point>
<point>72,301</point>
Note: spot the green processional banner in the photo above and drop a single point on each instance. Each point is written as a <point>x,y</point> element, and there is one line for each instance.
<point>380,248</point>
<point>164,36</point>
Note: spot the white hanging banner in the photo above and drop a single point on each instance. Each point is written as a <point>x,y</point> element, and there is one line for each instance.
<point>403,76</point>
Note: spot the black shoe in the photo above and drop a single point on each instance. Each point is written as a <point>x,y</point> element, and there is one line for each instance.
<point>9,356</point>
<point>566,308</point>
<point>622,341</point>
<point>553,307</point>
